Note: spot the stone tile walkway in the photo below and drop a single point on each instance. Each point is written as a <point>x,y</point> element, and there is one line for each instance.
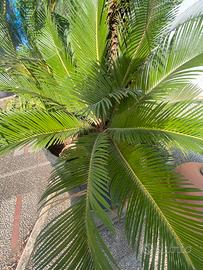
<point>23,177</point>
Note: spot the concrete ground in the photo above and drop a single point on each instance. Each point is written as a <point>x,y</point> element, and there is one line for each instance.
<point>23,177</point>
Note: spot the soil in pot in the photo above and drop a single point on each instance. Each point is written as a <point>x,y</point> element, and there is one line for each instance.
<point>56,149</point>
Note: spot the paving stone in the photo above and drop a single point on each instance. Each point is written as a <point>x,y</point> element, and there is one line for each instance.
<point>10,163</point>
<point>6,221</point>
<point>18,152</point>
<point>26,175</point>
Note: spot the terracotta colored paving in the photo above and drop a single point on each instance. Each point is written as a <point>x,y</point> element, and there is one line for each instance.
<point>16,224</point>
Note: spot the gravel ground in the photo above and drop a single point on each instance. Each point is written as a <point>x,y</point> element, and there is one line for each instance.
<point>120,249</point>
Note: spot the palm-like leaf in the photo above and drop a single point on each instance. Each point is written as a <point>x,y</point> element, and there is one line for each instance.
<point>40,128</point>
<point>143,23</point>
<point>125,108</point>
<point>168,71</point>
<point>53,52</point>
<point>153,209</point>
<point>88,43</point>
<point>7,47</point>
<point>81,243</point>
<point>179,123</point>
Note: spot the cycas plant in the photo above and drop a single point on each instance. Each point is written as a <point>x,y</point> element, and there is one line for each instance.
<point>125,107</point>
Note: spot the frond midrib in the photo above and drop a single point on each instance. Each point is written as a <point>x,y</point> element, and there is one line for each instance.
<point>63,64</point>
<point>87,207</point>
<point>28,138</point>
<point>161,214</point>
<point>158,130</point>
<point>171,72</point>
<point>97,37</point>
<point>60,58</point>
<point>138,47</point>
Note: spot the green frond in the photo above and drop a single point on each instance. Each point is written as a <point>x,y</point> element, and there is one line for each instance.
<point>100,102</point>
<point>88,32</point>
<point>176,62</point>
<point>6,45</point>
<point>71,170</point>
<point>184,92</point>
<point>37,127</point>
<point>90,151</point>
<point>180,123</point>
<point>72,241</point>
<point>97,78</point>
<point>141,25</point>
<point>53,50</point>
<point>36,81</point>
<point>80,246</point>
<point>103,106</point>
<point>158,208</point>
